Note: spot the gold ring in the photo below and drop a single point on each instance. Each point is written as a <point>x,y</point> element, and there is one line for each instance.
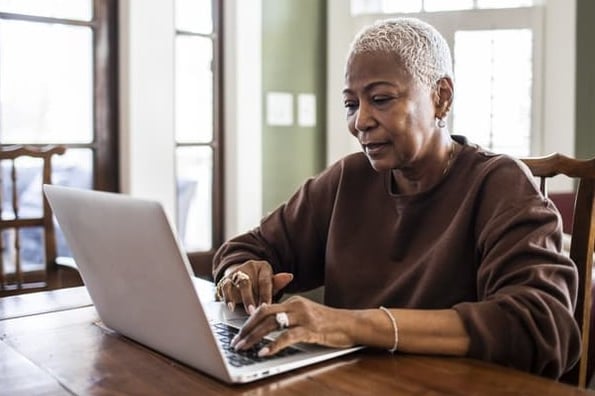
<point>239,276</point>
<point>219,288</point>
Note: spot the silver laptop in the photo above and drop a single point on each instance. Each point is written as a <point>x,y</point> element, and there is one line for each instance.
<point>142,286</point>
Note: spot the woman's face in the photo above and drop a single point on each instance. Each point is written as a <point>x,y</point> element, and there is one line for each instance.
<point>390,114</point>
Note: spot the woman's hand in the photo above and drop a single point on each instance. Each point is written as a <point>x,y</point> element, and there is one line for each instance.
<point>252,284</point>
<point>307,321</point>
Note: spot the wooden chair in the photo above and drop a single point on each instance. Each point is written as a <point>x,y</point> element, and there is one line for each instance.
<point>17,276</point>
<point>581,249</point>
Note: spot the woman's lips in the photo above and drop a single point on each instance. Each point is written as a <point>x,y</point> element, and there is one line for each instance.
<point>374,148</point>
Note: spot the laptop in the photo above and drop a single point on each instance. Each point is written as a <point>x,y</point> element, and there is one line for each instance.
<point>142,286</point>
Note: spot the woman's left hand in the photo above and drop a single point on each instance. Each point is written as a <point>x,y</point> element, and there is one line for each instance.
<point>306,321</point>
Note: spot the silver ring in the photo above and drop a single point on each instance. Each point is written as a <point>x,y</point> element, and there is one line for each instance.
<point>282,320</point>
<point>239,276</point>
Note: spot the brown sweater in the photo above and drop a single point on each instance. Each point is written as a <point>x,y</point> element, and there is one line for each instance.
<point>483,241</point>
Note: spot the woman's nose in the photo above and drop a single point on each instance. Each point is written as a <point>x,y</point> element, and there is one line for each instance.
<point>364,119</point>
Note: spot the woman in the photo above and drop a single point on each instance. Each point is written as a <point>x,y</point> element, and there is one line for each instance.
<point>456,241</point>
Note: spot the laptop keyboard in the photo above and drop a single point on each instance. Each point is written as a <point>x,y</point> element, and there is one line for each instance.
<point>225,333</point>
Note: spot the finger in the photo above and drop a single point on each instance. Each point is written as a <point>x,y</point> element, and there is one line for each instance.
<point>255,319</point>
<point>265,286</point>
<point>287,338</point>
<point>219,290</point>
<point>228,291</point>
<point>281,280</point>
<point>253,333</point>
<point>245,288</point>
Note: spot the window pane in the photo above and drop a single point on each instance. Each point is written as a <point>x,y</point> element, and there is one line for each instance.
<point>31,250</point>
<point>73,169</point>
<point>194,89</point>
<point>362,7</point>
<point>504,3</point>
<point>194,169</point>
<point>29,198</point>
<point>28,175</point>
<point>67,9</point>
<point>194,16</point>
<point>447,5</point>
<point>493,73</point>
<point>46,83</point>
<point>392,6</point>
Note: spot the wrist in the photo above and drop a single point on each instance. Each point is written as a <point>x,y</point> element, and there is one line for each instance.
<point>374,328</point>
<point>393,322</point>
<point>230,269</point>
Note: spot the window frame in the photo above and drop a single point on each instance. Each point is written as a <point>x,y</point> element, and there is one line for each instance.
<point>201,260</point>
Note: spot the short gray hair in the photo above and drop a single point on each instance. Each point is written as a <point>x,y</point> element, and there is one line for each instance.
<point>418,45</point>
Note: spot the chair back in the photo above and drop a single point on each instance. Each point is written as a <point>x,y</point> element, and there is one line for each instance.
<point>23,171</point>
<point>582,243</point>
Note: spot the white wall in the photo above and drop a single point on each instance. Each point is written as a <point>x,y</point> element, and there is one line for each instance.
<point>147,100</point>
<point>340,30</point>
<point>559,77</point>
<point>243,115</point>
<point>559,92</point>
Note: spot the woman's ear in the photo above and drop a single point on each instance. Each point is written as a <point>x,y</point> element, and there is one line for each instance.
<point>443,96</point>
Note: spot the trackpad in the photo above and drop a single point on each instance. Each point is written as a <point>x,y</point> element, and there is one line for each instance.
<point>218,312</point>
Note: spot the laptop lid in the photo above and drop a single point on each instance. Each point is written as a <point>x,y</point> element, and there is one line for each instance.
<point>136,274</point>
<point>142,286</point>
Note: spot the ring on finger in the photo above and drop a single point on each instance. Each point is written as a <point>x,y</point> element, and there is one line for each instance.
<point>238,277</point>
<point>282,320</point>
<point>219,288</point>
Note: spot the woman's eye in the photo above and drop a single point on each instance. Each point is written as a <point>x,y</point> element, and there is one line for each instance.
<point>350,106</point>
<point>381,99</point>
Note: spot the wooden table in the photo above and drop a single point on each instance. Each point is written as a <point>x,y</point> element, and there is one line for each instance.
<point>50,344</point>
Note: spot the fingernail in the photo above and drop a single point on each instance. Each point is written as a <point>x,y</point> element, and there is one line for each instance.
<point>239,345</point>
<point>231,306</point>
<point>251,309</point>
<point>234,340</point>
<point>263,352</point>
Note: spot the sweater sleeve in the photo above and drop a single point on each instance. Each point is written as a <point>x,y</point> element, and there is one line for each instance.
<point>527,288</point>
<point>292,238</point>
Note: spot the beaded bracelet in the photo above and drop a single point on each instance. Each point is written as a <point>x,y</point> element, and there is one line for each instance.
<point>395,328</point>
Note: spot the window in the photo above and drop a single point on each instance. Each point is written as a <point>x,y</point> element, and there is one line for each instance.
<point>493,107</point>
<point>198,128</point>
<point>58,71</point>
<point>495,44</point>
<point>362,7</point>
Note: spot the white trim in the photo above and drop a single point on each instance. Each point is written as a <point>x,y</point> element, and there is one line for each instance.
<point>340,31</point>
<point>559,93</point>
<point>146,57</point>
<point>243,115</point>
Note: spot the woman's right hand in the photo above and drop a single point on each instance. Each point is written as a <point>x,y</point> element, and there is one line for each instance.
<point>251,283</point>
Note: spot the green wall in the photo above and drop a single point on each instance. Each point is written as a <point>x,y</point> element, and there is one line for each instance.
<point>294,61</point>
<point>585,79</point>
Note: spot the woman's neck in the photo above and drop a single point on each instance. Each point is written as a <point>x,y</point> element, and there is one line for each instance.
<point>427,172</point>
